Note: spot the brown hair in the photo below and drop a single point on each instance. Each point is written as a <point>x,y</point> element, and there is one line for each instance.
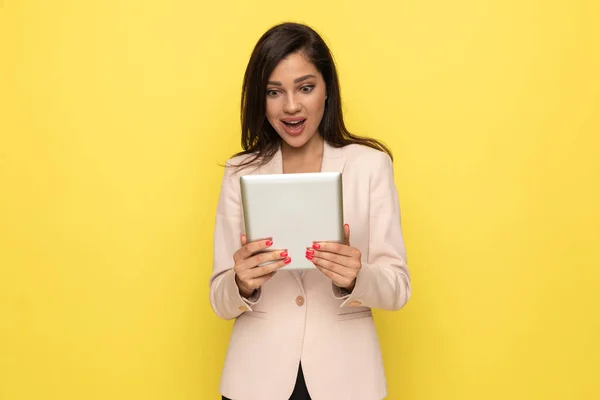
<point>259,139</point>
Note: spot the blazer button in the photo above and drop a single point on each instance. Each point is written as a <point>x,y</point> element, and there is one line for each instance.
<point>354,303</point>
<point>300,301</point>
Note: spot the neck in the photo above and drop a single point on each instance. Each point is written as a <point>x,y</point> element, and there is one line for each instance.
<point>303,159</point>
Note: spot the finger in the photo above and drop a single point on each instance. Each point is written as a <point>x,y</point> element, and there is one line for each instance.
<point>253,284</point>
<point>337,248</point>
<point>347,234</point>
<point>338,279</point>
<point>258,282</point>
<point>258,245</point>
<point>261,258</point>
<point>263,270</point>
<point>344,261</point>
<point>247,250</point>
<point>338,269</point>
<point>243,239</point>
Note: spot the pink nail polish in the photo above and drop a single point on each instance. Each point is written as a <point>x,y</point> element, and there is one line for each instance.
<point>284,254</point>
<point>269,243</point>
<point>309,257</point>
<point>316,246</point>
<point>287,260</point>
<point>310,252</point>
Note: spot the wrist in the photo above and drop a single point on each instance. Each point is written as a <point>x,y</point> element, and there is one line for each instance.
<point>243,289</point>
<point>350,287</point>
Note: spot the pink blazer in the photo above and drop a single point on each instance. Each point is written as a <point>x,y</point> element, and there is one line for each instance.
<point>304,317</point>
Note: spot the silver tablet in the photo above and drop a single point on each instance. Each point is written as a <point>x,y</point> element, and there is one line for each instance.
<point>295,210</point>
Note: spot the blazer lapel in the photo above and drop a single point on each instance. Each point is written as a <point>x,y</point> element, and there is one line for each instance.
<point>333,159</point>
<point>274,166</point>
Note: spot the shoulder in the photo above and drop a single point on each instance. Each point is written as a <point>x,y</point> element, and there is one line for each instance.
<point>238,166</point>
<point>369,167</point>
<point>365,156</point>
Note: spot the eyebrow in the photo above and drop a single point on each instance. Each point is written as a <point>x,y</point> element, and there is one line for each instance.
<point>302,78</point>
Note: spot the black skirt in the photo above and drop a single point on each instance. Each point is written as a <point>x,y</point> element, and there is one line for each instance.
<point>300,392</point>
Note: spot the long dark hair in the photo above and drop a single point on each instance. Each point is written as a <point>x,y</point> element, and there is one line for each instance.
<point>259,139</point>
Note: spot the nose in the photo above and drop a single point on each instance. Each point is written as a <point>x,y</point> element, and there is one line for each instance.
<point>291,105</point>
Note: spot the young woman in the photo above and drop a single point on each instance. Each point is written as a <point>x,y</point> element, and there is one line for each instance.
<point>306,335</point>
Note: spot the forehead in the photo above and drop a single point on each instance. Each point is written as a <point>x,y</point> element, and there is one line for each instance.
<point>293,66</point>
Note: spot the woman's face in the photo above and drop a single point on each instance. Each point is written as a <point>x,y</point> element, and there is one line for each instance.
<point>295,100</point>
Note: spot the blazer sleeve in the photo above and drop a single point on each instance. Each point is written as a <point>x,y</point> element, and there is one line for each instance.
<point>225,298</point>
<point>384,280</point>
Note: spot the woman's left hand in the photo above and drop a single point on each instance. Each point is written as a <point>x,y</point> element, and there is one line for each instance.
<point>338,261</point>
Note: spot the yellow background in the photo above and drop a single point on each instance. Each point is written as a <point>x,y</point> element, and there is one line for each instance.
<point>114,115</point>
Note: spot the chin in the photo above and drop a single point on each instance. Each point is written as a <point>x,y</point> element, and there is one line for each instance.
<point>296,142</point>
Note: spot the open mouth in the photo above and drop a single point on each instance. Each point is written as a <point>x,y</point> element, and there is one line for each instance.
<point>295,124</point>
<point>294,127</point>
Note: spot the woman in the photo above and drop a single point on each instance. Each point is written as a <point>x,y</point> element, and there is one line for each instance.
<point>306,335</point>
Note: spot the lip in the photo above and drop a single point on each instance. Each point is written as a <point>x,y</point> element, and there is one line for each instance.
<point>294,119</point>
<point>293,131</point>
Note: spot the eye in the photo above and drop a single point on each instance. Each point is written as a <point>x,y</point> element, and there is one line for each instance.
<point>307,88</point>
<point>272,92</point>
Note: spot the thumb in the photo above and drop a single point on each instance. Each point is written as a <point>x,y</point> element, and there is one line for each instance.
<point>347,234</point>
<point>243,239</point>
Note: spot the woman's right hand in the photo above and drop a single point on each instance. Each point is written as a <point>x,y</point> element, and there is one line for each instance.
<point>248,275</point>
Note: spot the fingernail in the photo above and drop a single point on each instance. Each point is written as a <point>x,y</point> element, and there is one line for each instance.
<point>287,260</point>
<point>316,246</point>
<point>269,243</point>
<point>309,257</point>
<point>284,254</point>
<point>310,252</point>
